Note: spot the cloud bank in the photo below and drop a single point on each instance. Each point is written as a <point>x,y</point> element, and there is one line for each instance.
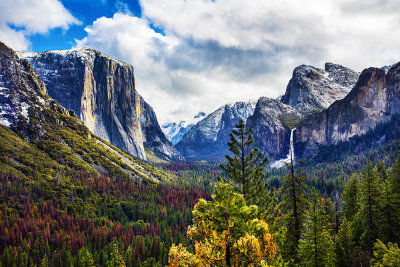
<point>197,55</point>
<point>209,53</point>
<point>20,19</point>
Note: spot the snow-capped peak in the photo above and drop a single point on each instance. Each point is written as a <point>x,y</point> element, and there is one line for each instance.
<point>175,131</point>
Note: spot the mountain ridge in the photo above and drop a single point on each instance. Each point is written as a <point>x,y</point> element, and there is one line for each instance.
<point>207,139</point>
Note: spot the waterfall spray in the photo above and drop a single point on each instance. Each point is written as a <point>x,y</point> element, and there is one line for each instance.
<point>281,163</point>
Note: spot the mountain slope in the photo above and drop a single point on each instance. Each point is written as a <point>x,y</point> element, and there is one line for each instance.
<point>374,100</point>
<point>40,137</point>
<point>102,92</point>
<point>208,138</point>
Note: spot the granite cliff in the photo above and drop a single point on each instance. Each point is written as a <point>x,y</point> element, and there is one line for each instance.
<point>38,136</point>
<point>374,100</point>
<point>101,91</point>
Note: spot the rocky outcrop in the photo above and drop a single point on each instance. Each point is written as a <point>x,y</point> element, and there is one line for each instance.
<point>271,123</point>
<point>374,99</point>
<point>101,91</point>
<point>208,138</point>
<point>311,89</point>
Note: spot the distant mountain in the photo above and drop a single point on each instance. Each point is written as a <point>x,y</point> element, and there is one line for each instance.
<point>374,100</point>
<point>208,138</point>
<point>39,137</point>
<point>175,131</point>
<point>101,91</point>
<point>311,89</point>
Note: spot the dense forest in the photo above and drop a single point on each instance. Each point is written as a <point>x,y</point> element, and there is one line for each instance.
<point>237,213</point>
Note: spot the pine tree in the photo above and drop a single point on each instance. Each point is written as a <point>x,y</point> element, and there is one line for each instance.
<point>369,206</point>
<point>294,203</point>
<point>350,197</point>
<point>316,246</point>
<point>85,258</point>
<point>386,255</point>
<point>344,244</point>
<point>386,203</point>
<point>246,170</point>
<point>115,259</point>
<point>394,180</point>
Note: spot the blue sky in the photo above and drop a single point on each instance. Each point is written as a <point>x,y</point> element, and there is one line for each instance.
<point>86,12</point>
<point>196,55</point>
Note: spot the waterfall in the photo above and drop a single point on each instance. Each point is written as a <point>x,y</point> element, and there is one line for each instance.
<point>291,150</point>
<point>281,163</point>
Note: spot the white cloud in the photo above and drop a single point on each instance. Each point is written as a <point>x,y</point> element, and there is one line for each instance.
<point>21,18</point>
<point>214,52</point>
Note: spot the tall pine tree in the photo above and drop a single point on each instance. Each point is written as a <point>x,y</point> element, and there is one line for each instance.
<point>344,244</point>
<point>316,246</point>
<point>350,197</point>
<point>386,204</point>
<point>294,204</point>
<point>394,180</point>
<point>369,207</point>
<point>246,170</point>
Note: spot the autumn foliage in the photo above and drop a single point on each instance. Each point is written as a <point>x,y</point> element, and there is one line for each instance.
<point>226,232</point>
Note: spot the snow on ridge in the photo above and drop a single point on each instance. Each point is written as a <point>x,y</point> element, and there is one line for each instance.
<point>81,52</point>
<point>175,131</point>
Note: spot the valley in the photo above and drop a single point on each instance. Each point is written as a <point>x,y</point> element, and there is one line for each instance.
<point>88,177</point>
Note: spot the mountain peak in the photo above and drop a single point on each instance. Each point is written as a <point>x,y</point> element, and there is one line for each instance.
<point>312,89</point>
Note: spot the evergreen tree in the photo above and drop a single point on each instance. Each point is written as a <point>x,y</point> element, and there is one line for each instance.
<point>316,246</point>
<point>386,255</point>
<point>344,244</point>
<point>350,197</point>
<point>394,181</point>
<point>115,258</point>
<point>85,258</point>
<point>369,207</point>
<point>294,204</point>
<point>386,203</point>
<point>246,170</point>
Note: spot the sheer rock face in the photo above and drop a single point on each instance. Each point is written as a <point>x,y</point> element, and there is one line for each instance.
<point>101,91</point>
<point>271,133</point>
<point>311,89</point>
<point>208,138</point>
<point>374,99</point>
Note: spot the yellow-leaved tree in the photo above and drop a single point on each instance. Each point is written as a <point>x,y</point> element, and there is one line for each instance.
<point>226,232</point>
